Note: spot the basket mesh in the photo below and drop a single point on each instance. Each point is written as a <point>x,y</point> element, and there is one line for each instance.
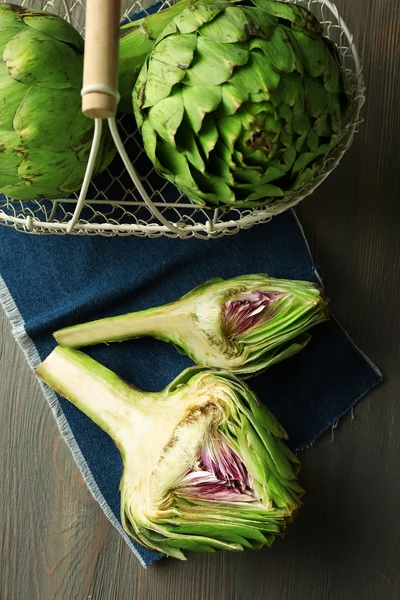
<point>114,207</point>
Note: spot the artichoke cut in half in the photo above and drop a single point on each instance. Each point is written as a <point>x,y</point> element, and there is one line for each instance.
<point>206,467</point>
<point>244,324</point>
<point>241,103</point>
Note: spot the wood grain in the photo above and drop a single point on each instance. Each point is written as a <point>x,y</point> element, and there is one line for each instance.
<point>55,542</point>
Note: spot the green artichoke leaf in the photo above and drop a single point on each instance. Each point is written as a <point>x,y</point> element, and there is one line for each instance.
<point>202,287</point>
<point>179,54</point>
<point>161,80</point>
<point>221,169</point>
<point>278,460</point>
<point>15,187</point>
<point>138,94</point>
<point>291,91</point>
<point>228,27</point>
<point>8,32</point>
<point>260,24</point>
<point>233,533</point>
<point>33,170</point>
<point>53,27</point>
<point>323,123</point>
<point>264,467</point>
<point>313,141</point>
<point>199,102</point>
<point>232,55</point>
<point>215,189</point>
<point>60,67</point>
<point>186,142</point>
<point>11,95</point>
<point>256,75</point>
<point>233,159</point>
<point>281,49</point>
<point>213,62</point>
<point>81,132</point>
<point>317,101</point>
<point>208,135</point>
<point>230,129</point>
<point>75,177</point>
<point>176,164</point>
<point>303,177</point>
<point>166,116</point>
<point>104,157</point>
<point>291,12</point>
<point>191,19</point>
<point>336,114</point>
<point>247,156</point>
<point>9,163</point>
<point>232,26</point>
<point>249,178</point>
<point>150,142</point>
<point>159,75</point>
<point>301,123</point>
<point>318,60</point>
<point>300,143</point>
<point>232,99</point>
<point>265,191</point>
<point>289,158</point>
<point>36,127</point>
<point>10,14</point>
<point>11,23</point>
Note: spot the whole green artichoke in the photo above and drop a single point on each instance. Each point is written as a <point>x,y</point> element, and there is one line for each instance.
<point>241,103</point>
<point>45,139</point>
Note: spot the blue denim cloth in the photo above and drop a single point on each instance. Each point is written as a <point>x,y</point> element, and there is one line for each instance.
<point>60,280</point>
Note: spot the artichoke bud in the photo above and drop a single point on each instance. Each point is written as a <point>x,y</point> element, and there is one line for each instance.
<point>220,94</point>
<point>43,134</point>
<point>244,324</point>
<point>205,464</point>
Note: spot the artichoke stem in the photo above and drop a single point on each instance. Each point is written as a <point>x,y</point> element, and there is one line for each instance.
<point>98,392</point>
<point>137,41</point>
<point>123,327</point>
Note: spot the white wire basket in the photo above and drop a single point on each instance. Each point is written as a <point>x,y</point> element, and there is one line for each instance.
<point>114,207</point>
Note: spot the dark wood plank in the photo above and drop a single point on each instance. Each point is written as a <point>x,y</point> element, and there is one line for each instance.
<point>55,542</point>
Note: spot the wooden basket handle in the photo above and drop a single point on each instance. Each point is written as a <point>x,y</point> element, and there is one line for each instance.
<point>100,73</point>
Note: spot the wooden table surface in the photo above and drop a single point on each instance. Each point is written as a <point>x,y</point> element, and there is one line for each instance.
<point>55,541</point>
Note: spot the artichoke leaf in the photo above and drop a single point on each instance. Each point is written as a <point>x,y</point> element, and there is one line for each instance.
<point>166,117</point>
<point>54,27</point>
<point>36,127</point>
<point>213,63</point>
<point>255,75</point>
<point>208,135</point>
<point>281,50</point>
<point>199,102</point>
<point>59,69</point>
<point>291,12</point>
